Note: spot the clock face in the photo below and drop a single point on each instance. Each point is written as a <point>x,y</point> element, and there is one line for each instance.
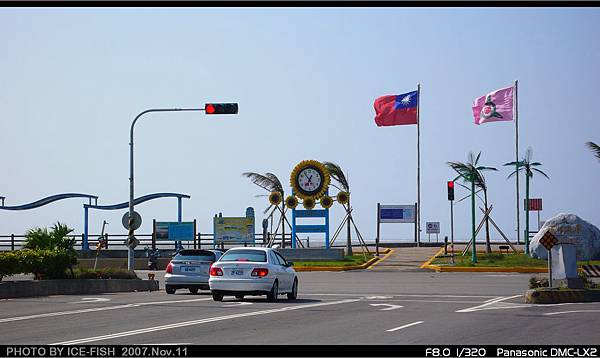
<point>309,180</point>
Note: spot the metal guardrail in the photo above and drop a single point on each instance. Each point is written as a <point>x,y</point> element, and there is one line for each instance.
<point>117,241</point>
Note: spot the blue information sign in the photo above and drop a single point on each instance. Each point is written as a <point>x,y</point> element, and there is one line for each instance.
<point>176,231</point>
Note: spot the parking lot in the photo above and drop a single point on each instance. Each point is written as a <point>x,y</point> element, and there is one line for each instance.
<point>355,307</point>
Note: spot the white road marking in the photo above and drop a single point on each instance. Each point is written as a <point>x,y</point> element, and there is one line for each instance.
<point>389,308</point>
<point>488,305</point>
<point>233,304</point>
<point>199,321</point>
<point>87,310</point>
<point>378,297</point>
<point>492,299</point>
<point>395,295</point>
<point>565,312</point>
<point>92,300</point>
<point>405,326</point>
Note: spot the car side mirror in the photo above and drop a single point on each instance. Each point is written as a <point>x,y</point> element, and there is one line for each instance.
<point>290,264</point>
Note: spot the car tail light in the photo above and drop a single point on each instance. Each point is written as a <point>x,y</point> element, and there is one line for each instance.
<point>170,267</point>
<point>216,271</point>
<point>260,272</point>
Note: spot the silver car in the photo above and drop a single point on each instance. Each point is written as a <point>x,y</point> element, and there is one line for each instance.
<point>190,268</point>
<point>245,271</point>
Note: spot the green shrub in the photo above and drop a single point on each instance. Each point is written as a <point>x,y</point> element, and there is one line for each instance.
<point>44,264</point>
<point>104,273</point>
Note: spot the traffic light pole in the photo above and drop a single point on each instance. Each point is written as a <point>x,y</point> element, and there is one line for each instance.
<point>130,237</point>
<point>452,230</point>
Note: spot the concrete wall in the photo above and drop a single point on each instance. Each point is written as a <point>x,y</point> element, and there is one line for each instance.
<point>73,287</point>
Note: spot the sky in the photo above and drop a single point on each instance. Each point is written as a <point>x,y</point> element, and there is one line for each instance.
<point>305,79</point>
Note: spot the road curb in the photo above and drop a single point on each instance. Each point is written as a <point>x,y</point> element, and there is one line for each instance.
<point>561,296</point>
<point>428,265</point>
<point>387,253</point>
<point>14,289</point>
<point>341,268</point>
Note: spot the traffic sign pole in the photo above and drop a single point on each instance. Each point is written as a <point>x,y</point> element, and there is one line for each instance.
<point>550,268</point>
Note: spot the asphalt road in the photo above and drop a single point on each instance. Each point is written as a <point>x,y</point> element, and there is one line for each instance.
<point>355,307</point>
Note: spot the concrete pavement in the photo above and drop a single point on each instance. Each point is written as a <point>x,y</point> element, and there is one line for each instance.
<point>353,307</point>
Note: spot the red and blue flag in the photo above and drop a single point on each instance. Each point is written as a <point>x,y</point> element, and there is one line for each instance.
<point>394,110</point>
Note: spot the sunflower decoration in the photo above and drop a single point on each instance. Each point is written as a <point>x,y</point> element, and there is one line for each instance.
<point>308,203</point>
<point>275,198</point>
<point>310,179</point>
<point>343,197</point>
<point>326,201</point>
<point>291,202</point>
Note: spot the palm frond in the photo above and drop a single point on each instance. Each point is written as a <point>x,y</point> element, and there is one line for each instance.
<point>594,148</point>
<point>535,164</point>
<point>541,172</point>
<point>264,181</point>
<point>528,154</point>
<point>276,183</point>
<point>514,163</point>
<point>513,173</point>
<point>337,174</point>
<point>477,159</point>
<point>486,168</point>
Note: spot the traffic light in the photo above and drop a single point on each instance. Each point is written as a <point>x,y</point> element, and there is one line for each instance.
<point>221,108</point>
<point>450,190</point>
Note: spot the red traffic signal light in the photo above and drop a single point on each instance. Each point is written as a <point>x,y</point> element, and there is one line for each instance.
<point>221,108</point>
<point>450,190</point>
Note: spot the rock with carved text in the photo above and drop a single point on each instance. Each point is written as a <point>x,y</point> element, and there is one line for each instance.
<point>569,229</point>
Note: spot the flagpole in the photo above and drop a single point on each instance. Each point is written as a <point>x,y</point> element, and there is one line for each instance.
<point>418,166</point>
<point>516,109</point>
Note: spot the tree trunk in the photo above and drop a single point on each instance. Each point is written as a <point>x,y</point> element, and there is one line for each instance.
<point>348,234</point>
<point>526,213</point>
<point>473,247</point>
<point>488,246</point>
<point>283,222</point>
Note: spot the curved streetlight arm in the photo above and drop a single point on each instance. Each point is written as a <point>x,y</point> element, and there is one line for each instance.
<point>131,192</point>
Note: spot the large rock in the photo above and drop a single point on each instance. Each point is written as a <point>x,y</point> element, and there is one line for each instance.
<point>571,229</point>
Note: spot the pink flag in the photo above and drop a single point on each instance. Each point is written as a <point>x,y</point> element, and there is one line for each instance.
<point>495,106</point>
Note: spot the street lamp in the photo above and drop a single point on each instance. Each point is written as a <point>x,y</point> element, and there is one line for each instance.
<point>209,108</point>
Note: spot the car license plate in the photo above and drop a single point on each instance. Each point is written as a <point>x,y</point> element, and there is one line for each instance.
<point>237,272</point>
<point>189,269</point>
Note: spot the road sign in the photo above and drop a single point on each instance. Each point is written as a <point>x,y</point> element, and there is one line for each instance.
<point>432,227</point>
<point>177,231</point>
<point>137,220</point>
<point>548,240</point>
<point>131,244</point>
<point>397,214</point>
<point>534,204</point>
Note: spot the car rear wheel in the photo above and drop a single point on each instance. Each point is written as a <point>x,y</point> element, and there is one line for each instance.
<point>170,290</point>
<point>272,296</point>
<point>239,297</point>
<point>193,291</point>
<point>292,295</point>
<point>217,296</point>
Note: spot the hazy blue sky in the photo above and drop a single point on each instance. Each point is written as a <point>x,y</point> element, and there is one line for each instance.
<point>72,80</point>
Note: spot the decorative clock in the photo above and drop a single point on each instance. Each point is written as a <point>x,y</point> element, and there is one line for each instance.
<point>310,179</point>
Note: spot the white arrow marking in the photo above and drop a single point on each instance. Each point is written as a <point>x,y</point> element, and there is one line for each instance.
<point>92,300</point>
<point>391,307</point>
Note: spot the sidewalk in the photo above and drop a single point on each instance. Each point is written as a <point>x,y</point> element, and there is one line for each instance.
<point>404,259</point>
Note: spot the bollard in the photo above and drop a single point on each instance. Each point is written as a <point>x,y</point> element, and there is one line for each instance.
<point>445,245</point>
<point>12,242</point>
<point>307,241</point>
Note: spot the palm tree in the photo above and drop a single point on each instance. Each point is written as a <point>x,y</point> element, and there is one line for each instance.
<point>528,167</point>
<point>270,183</point>
<point>594,148</point>
<point>335,171</point>
<point>471,172</point>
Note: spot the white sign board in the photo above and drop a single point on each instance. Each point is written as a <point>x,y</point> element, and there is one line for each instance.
<point>397,214</point>
<point>432,227</point>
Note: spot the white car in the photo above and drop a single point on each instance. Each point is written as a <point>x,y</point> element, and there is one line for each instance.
<point>243,271</point>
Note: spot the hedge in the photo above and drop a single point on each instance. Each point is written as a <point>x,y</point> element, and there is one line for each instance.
<point>44,264</point>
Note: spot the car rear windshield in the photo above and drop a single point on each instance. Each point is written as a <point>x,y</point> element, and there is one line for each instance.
<point>203,255</point>
<point>245,255</point>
